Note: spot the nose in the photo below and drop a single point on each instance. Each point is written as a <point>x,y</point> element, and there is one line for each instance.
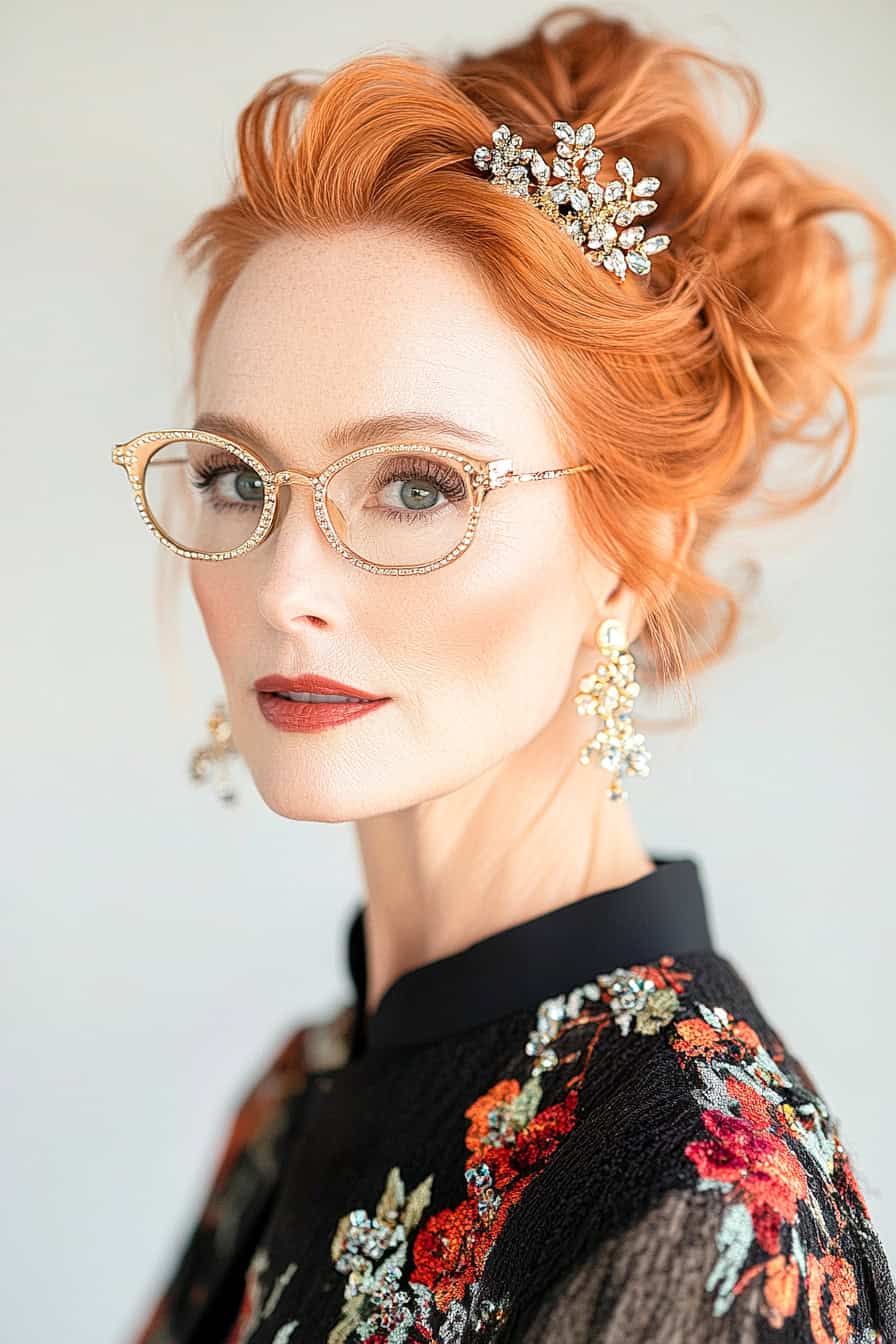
<point>294,519</point>
<point>301,572</point>
<point>291,478</point>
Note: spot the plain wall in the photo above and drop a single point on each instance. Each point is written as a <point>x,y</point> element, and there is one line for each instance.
<point>156,945</point>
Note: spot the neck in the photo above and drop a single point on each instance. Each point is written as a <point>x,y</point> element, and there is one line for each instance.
<point>534,832</point>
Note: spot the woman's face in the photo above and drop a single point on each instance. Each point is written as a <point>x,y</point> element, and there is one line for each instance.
<point>479,657</point>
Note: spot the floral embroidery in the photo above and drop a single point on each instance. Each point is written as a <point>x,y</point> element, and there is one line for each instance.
<point>769,1146</point>
<point>766,1132</point>
<point>510,1140</point>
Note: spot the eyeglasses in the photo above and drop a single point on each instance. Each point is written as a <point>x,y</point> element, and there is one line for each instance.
<point>389,509</point>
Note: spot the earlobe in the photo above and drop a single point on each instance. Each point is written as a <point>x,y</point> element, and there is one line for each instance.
<point>606,595</point>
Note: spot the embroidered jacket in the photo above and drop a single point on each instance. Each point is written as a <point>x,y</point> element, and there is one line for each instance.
<point>580,1129</point>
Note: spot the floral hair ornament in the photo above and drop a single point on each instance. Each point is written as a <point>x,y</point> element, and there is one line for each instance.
<point>599,218</point>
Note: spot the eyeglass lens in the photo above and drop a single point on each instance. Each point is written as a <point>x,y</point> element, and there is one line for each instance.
<point>402,507</point>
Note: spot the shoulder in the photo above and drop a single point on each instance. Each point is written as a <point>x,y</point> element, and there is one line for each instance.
<point>261,1112</point>
<point>713,1196</point>
<point>245,1170</point>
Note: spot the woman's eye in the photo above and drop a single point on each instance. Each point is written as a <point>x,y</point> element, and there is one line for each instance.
<point>411,493</point>
<point>228,485</point>
<point>242,485</point>
<point>416,489</point>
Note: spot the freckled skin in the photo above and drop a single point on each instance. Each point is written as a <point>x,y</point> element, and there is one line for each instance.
<point>481,658</point>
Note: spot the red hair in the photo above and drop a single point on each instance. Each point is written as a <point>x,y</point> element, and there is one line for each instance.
<point>677,386</point>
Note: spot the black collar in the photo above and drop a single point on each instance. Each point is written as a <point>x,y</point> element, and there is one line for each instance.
<point>519,966</point>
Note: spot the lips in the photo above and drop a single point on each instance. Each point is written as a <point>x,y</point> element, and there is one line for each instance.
<point>303,716</point>
<point>310,681</point>
<point>298,716</point>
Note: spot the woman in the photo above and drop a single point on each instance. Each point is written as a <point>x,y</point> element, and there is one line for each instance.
<point>465,428</point>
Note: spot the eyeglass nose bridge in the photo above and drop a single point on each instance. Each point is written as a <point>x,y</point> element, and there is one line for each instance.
<point>294,478</point>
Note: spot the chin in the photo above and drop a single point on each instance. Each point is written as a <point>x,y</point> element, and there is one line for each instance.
<point>307,800</point>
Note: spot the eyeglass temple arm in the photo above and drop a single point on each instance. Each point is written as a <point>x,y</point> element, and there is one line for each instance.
<point>500,473</point>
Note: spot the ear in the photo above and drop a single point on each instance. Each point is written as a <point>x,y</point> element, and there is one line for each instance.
<point>627,606</point>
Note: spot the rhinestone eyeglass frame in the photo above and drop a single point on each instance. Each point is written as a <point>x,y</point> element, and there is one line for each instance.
<point>483,475</point>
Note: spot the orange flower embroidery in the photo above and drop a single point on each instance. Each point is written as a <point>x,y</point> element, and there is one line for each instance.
<point>789,1197</point>
<point>698,1039</point>
<point>774,1152</point>
<point>451,1248</point>
<point>510,1141</point>
<point>832,1291</point>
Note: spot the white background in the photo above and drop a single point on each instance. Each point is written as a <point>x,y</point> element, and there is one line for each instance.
<point>156,945</point>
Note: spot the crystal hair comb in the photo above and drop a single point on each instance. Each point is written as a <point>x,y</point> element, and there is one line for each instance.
<point>599,218</point>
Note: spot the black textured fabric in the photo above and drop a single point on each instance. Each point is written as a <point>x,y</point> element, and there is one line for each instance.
<point>664,911</point>
<point>581,1128</point>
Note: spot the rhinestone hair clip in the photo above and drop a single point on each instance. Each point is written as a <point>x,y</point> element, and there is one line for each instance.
<point>599,218</point>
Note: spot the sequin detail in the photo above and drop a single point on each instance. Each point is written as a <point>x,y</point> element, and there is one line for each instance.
<point>765,1133</point>
<point>511,1138</point>
<point>790,1200</point>
<point>791,1215</point>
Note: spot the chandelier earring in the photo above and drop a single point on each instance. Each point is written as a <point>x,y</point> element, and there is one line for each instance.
<point>609,692</point>
<point>213,757</point>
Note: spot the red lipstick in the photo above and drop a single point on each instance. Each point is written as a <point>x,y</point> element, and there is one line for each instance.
<point>306,716</point>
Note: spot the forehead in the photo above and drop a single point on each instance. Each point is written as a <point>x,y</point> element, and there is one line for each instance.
<point>317,331</point>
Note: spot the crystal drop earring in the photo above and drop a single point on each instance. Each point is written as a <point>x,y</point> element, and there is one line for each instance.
<point>214,755</point>
<point>610,691</point>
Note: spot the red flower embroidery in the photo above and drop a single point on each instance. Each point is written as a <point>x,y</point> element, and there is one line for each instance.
<point>451,1247</point>
<point>761,1149</point>
<point>764,1136</point>
<point>768,1176</point>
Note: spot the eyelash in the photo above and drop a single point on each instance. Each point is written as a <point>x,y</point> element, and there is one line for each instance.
<point>423,469</point>
<point>445,479</point>
<point>219,464</point>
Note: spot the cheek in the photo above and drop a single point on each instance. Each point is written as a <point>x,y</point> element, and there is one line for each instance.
<point>502,641</point>
<point>220,605</point>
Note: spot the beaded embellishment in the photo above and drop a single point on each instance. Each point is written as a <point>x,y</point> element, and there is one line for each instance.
<point>790,1202</point>
<point>601,219</point>
<point>791,1213</point>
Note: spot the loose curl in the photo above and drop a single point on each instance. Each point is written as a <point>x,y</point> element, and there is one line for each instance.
<point>677,387</point>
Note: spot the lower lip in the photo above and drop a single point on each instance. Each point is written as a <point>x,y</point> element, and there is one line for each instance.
<point>304,716</point>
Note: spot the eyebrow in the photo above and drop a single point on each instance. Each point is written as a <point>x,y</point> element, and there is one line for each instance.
<point>347,435</point>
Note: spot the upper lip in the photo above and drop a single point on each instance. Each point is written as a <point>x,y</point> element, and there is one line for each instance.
<point>312,682</point>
